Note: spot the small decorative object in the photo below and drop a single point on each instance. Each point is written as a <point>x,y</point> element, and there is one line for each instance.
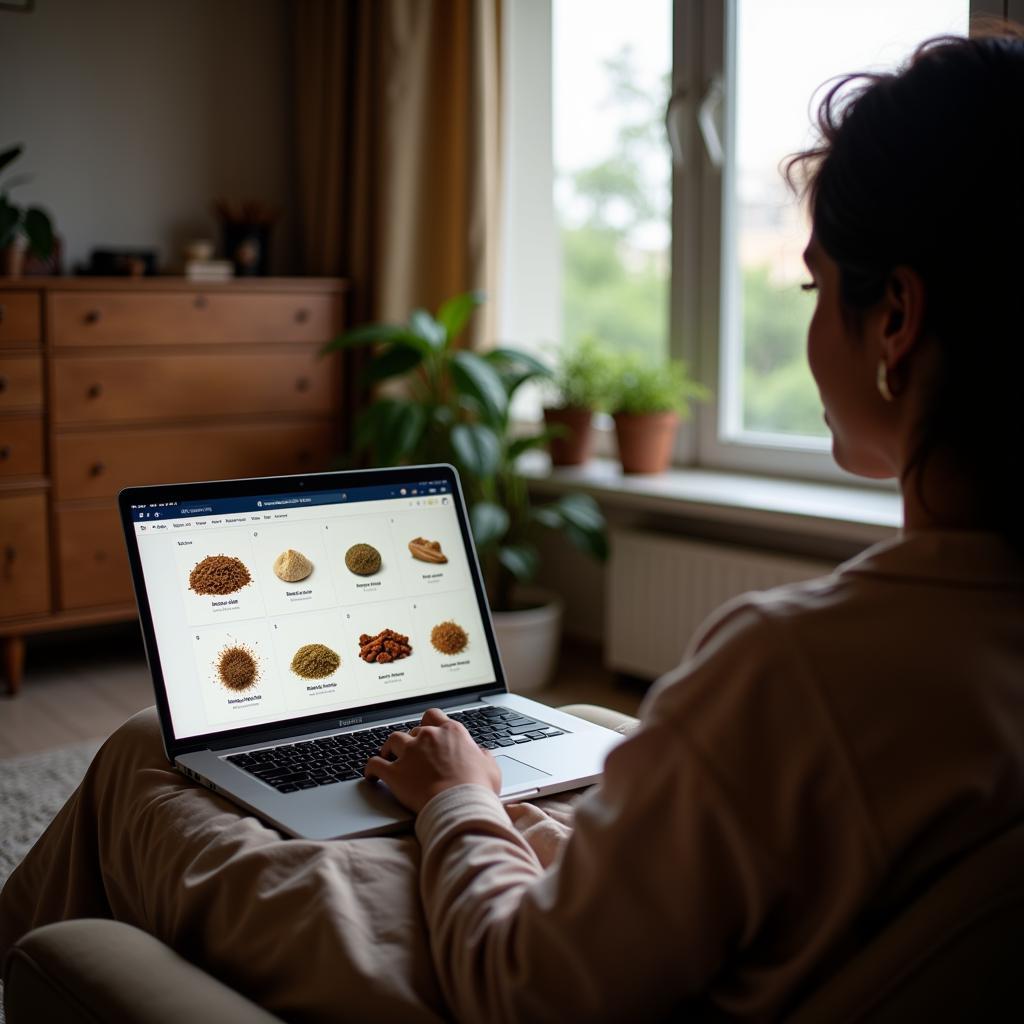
<point>121,263</point>
<point>582,383</point>
<point>22,229</point>
<point>246,232</point>
<point>648,403</point>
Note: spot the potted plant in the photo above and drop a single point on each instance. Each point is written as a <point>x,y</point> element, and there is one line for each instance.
<point>581,383</point>
<point>454,407</point>
<point>648,404</point>
<point>20,228</point>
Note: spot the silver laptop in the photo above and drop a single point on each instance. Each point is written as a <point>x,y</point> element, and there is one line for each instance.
<point>293,623</point>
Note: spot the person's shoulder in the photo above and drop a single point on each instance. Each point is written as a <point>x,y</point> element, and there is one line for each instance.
<point>752,642</point>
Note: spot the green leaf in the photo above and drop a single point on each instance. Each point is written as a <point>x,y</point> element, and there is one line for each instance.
<point>593,542</point>
<point>370,334</point>
<point>390,429</point>
<point>424,326</point>
<point>489,523</point>
<point>525,360</point>
<point>475,377</point>
<point>392,362</point>
<point>40,232</point>
<point>455,313</point>
<point>477,448</point>
<point>521,560</point>
<point>9,155</point>
<point>525,444</point>
<point>9,220</point>
<point>581,519</point>
<point>582,510</point>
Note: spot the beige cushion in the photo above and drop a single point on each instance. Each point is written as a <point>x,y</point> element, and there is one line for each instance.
<point>97,970</point>
<point>614,720</point>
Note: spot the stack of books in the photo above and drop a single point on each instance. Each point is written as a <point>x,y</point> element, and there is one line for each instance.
<point>209,270</point>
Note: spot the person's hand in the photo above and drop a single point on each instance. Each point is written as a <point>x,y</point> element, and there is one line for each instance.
<point>437,755</point>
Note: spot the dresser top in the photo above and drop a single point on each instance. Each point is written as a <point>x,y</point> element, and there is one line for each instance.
<point>162,283</point>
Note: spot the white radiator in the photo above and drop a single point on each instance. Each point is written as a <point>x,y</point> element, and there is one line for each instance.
<point>661,588</point>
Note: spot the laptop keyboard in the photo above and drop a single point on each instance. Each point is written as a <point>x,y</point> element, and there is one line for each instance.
<point>341,758</point>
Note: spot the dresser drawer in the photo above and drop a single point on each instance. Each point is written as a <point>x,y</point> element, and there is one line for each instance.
<point>112,389</point>
<point>21,446</point>
<point>24,555</point>
<point>97,464</point>
<point>21,382</point>
<point>93,560</point>
<point>173,318</point>
<point>19,319</point>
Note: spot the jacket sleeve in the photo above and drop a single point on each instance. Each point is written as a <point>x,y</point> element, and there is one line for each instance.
<point>659,882</point>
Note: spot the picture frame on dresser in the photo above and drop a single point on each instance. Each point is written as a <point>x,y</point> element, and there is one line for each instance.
<point>107,382</point>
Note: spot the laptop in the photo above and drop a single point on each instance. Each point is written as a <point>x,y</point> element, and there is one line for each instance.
<point>292,623</point>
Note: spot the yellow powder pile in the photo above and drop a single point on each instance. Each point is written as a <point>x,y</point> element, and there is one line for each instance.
<point>315,661</point>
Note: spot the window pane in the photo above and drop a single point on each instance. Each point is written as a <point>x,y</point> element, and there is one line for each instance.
<point>784,51</point>
<point>612,64</point>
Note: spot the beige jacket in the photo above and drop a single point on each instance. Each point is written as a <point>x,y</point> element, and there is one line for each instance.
<point>825,750</point>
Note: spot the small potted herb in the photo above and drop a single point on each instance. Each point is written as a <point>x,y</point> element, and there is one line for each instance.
<point>648,404</point>
<point>21,228</point>
<point>582,383</point>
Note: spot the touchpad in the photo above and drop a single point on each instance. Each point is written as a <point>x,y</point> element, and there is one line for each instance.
<point>516,775</point>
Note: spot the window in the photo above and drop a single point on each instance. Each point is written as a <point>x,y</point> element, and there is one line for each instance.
<point>700,258</point>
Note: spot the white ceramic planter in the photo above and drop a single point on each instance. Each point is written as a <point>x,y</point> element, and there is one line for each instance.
<point>529,641</point>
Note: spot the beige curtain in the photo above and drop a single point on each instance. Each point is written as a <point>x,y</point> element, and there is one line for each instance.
<point>397,123</point>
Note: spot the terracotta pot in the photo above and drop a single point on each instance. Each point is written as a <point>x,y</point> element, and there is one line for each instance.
<point>12,258</point>
<point>576,446</point>
<point>646,440</point>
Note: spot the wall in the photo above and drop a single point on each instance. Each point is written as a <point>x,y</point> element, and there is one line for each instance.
<point>137,114</point>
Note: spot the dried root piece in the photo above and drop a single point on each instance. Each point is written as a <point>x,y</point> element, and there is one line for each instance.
<point>427,551</point>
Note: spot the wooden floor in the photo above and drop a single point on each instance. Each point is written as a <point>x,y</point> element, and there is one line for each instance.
<point>81,685</point>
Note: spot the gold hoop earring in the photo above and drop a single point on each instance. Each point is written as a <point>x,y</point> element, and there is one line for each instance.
<point>882,380</point>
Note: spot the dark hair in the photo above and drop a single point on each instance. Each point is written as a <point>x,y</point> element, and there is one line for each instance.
<point>925,169</point>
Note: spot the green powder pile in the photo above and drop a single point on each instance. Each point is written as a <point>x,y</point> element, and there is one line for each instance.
<point>363,559</point>
<point>315,661</point>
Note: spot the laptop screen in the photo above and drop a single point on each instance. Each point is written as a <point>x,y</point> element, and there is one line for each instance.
<point>284,606</point>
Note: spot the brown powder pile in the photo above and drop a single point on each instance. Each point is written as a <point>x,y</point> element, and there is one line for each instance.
<point>219,574</point>
<point>449,638</point>
<point>315,661</point>
<point>292,566</point>
<point>363,559</point>
<point>386,646</point>
<point>238,668</point>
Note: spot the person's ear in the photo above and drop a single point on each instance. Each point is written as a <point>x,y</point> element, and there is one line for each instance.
<point>902,319</point>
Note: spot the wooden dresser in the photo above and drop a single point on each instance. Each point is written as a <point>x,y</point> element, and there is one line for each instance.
<point>106,382</point>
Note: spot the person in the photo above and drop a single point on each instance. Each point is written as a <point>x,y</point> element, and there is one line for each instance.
<point>825,748</point>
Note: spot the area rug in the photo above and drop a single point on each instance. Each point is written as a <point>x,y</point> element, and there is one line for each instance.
<point>32,790</point>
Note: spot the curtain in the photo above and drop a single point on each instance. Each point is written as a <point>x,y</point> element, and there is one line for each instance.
<point>397,150</point>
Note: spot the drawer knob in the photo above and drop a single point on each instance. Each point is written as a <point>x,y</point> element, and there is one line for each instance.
<point>9,556</point>
<point>3,313</point>
<point>93,316</point>
<point>302,384</point>
<point>200,302</point>
<point>301,316</point>
<point>101,556</point>
<point>95,390</point>
<point>3,385</point>
<point>97,469</point>
<point>5,452</point>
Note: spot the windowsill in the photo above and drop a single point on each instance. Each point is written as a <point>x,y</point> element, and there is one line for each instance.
<point>836,511</point>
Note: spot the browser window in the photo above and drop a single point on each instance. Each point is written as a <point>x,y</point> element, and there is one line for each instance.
<point>284,606</point>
